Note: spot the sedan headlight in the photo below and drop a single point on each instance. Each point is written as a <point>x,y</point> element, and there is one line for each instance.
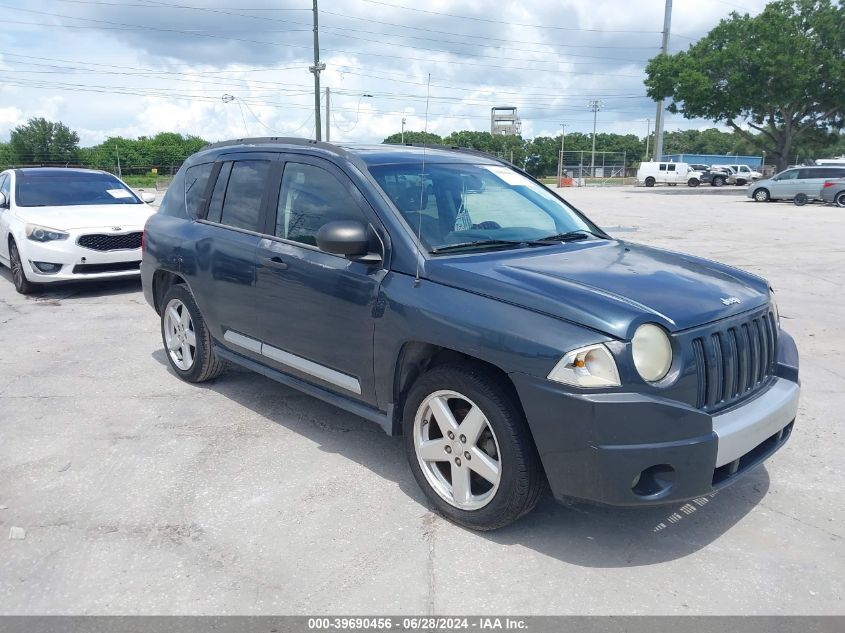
<point>652,352</point>
<point>44,234</point>
<point>591,366</point>
<point>774,305</point>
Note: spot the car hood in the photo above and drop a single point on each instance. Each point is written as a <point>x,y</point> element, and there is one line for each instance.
<point>608,285</point>
<point>87,216</point>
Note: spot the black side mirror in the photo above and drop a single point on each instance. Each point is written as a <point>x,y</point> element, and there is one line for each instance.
<point>4,201</point>
<point>347,238</point>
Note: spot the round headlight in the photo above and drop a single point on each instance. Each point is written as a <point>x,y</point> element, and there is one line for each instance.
<point>652,352</point>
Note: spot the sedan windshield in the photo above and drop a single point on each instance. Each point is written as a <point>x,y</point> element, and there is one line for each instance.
<point>454,204</point>
<point>72,188</point>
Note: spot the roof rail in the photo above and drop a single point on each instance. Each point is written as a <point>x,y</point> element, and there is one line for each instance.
<point>281,140</point>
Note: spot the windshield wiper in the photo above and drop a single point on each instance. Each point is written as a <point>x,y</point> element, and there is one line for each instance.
<point>479,243</point>
<point>569,236</point>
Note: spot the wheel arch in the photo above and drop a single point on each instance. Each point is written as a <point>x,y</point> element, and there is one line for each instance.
<point>417,357</point>
<point>162,281</point>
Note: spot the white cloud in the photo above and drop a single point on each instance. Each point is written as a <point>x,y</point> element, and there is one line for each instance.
<point>114,78</point>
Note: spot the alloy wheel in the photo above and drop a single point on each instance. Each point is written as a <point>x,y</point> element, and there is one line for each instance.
<point>179,335</point>
<point>457,450</point>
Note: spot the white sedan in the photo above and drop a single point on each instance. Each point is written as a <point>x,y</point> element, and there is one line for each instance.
<point>60,224</point>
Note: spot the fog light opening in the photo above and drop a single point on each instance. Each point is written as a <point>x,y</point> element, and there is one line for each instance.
<point>654,480</point>
<point>47,267</point>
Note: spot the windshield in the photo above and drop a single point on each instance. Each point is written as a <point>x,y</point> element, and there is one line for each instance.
<point>460,204</point>
<point>72,188</point>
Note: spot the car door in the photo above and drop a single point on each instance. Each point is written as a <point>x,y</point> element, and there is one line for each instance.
<point>223,275</point>
<point>784,184</point>
<point>316,310</point>
<point>5,217</point>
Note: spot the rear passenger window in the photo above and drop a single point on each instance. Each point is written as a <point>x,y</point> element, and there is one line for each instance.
<point>196,180</point>
<point>806,174</point>
<point>309,198</point>
<point>242,204</point>
<point>671,167</point>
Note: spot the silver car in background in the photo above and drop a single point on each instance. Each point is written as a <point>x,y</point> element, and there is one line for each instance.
<point>794,182</point>
<point>833,191</point>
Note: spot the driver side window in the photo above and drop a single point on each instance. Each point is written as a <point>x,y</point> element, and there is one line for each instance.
<point>792,174</point>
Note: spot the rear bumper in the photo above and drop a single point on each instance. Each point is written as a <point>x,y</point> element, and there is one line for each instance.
<point>631,449</point>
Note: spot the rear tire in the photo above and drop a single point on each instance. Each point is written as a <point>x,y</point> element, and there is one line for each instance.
<point>718,181</point>
<point>840,199</point>
<point>22,284</point>
<point>187,342</point>
<point>500,474</point>
<point>761,195</point>
<point>649,182</point>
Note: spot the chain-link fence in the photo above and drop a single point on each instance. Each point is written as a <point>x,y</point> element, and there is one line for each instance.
<point>583,168</point>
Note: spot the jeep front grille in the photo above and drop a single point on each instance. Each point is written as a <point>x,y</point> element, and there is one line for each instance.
<point>735,361</point>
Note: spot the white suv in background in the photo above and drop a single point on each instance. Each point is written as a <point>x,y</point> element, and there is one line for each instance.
<point>59,224</point>
<point>743,173</point>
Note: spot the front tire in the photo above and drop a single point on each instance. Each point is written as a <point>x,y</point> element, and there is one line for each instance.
<point>186,339</point>
<point>469,447</point>
<point>761,195</point>
<point>693,182</point>
<point>649,182</point>
<point>22,284</point>
<point>718,181</point>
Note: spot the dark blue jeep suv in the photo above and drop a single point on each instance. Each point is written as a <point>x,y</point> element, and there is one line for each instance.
<point>453,299</point>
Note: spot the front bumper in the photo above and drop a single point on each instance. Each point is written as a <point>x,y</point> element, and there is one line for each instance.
<point>632,449</point>
<point>78,263</point>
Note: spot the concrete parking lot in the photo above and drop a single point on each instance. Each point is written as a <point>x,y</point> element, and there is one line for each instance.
<point>138,493</point>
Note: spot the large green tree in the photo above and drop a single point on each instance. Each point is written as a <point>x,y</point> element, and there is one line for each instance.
<point>43,141</point>
<point>773,78</point>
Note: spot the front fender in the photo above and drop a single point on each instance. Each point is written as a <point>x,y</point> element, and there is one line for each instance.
<point>510,337</point>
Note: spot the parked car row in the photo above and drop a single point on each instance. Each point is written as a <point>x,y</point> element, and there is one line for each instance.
<point>651,173</point>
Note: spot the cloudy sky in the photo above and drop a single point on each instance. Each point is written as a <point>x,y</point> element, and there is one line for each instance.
<point>137,67</point>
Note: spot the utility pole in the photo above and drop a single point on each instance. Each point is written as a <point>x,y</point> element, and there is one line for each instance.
<point>595,106</point>
<point>403,130</point>
<point>560,160</point>
<point>328,114</point>
<point>316,68</point>
<point>658,120</point>
<point>117,151</point>
<point>647,137</point>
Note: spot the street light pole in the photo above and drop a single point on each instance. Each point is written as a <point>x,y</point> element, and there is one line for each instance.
<point>647,137</point>
<point>316,68</point>
<point>403,130</point>
<point>595,106</point>
<point>658,120</point>
<point>560,158</point>
<point>328,114</point>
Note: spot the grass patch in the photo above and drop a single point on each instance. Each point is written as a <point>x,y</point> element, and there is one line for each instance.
<point>141,180</point>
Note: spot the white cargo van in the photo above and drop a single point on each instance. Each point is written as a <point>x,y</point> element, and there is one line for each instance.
<point>652,173</point>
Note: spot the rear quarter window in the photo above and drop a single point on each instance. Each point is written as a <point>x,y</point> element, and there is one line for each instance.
<point>173,202</point>
<point>196,184</point>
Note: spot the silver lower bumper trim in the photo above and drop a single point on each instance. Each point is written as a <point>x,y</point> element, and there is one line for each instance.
<point>750,424</point>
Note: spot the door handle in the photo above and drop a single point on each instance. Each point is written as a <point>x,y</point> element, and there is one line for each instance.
<point>274,262</point>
